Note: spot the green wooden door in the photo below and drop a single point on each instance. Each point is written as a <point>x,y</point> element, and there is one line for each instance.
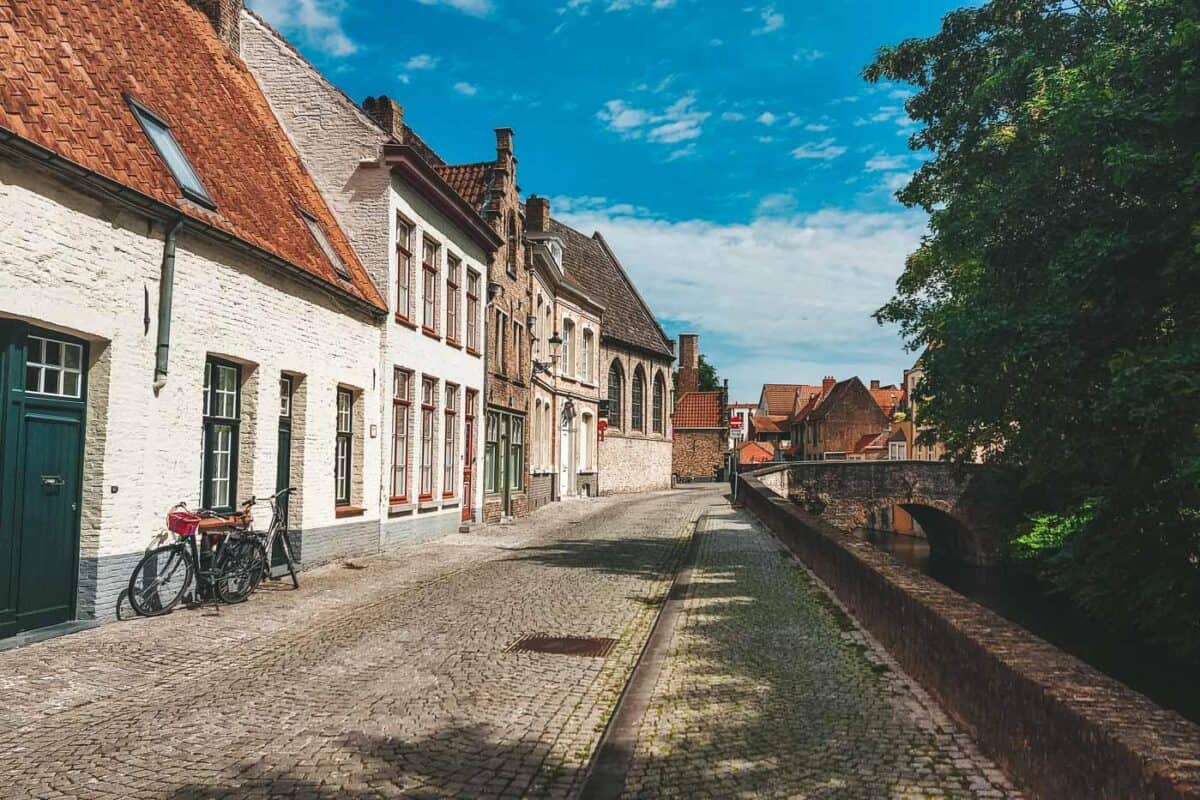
<point>283,468</point>
<point>41,450</point>
<point>48,519</point>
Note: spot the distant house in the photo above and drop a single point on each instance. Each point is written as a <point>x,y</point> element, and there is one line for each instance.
<point>700,421</point>
<point>740,430</point>
<point>844,422</point>
<point>922,443</point>
<point>756,452</point>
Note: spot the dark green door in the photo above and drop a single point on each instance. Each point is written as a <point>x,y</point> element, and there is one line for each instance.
<point>40,476</point>
<point>283,465</point>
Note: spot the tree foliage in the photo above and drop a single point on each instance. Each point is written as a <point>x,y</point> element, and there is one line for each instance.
<point>1057,292</point>
<point>707,376</point>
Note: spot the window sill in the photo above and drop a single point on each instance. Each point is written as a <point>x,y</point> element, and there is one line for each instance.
<point>450,504</point>
<point>473,352</point>
<point>406,322</point>
<point>430,332</point>
<point>453,343</point>
<point>349,511</point>
<point>429,505</point>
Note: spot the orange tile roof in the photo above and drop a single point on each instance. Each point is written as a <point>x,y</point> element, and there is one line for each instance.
<point>65,68</point>
<point>698,410</point>
<point>768,424</point>
<point>887,398</point>
<point>469,180</point>
<point>871,441</point>
<point>756,452</point>
<point>781,397</point>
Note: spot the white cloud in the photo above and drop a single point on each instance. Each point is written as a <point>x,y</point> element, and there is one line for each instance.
<point>715,42</point>
<point>764,139</point>
<point>767,118</point>
<point>754,326</point>
<point>808,55</point>
<point>884,163</point>
<point>824,150</point>
<point>317,22</point>
<point>475,8</point>
<point>464,88</point>
<point>816,127</point>
<point>584,7</point>
<point>895,181</point>
<point>421,61</point>
<point>733,116</point>
<point>772,21</point>
<point>678,122</point>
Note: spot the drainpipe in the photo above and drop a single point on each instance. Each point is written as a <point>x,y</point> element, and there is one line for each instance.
<point>166,293</point>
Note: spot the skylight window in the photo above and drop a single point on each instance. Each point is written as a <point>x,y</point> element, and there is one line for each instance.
<point>159,134</point>
<point>318,233</point>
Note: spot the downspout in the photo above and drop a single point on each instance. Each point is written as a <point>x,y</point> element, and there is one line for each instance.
<point>166,295</point>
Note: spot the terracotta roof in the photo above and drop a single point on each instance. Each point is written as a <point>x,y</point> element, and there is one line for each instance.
<point>627,319</point>
<point>768,424</point>
<point>871,441</point>
<point>469,180</point>
<point>756,452</point>
<point>805,410</point>
<point>65,70</point>
<point>781,397</point>
<point>698,410</point>
<point>887,398</point>
<point>743,405</point>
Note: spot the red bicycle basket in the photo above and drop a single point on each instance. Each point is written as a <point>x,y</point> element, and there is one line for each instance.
<point>184,523</point>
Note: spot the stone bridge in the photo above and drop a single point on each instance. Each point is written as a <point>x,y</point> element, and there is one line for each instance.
<point>967,512</point>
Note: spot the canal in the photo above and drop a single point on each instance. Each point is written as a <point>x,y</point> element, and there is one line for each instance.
<point>1151,670</point>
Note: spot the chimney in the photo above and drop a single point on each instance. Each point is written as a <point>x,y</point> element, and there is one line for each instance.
<point>874,385</point>
<point>827,385</point>
<point>537,214</point>
<point>387,114</point>
<point>504,142</point>
<point>225,16</point>
<point>689,363</point>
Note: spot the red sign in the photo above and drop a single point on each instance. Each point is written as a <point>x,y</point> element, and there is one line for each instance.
<point>602,426</point>
<point>735,423</point>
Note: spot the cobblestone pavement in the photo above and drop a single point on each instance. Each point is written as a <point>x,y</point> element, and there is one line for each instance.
<point>387,680</point>
<point>390,677</point>
<point>770,690</point>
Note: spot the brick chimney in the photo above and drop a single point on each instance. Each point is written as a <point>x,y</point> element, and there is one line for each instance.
<point>225,16</point>
<point>827,385</point>
<point>875,384</point>
<point>537,214</point>
<point>504,142</point>
<point>387,114</point>
<point>689,363</point>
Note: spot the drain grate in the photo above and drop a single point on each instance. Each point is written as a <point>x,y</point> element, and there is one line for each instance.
<point>590,647</point>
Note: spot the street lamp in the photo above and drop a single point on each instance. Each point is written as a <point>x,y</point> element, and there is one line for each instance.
<point>555,341</point>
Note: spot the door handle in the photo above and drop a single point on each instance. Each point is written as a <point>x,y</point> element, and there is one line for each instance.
<point>52,481</point>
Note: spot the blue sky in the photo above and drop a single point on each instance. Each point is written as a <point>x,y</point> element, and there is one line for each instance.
<point>730,151</point>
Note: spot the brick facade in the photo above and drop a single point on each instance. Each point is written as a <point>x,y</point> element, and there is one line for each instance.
<point>697,455</point>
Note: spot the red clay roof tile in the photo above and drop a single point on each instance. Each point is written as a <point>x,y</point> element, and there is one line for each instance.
<point>65,69</point>
<point>698,410</point>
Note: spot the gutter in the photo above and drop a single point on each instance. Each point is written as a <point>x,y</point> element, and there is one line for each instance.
<point>166,296</point>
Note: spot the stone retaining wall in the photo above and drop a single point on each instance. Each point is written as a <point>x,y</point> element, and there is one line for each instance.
<point>1060,728</point>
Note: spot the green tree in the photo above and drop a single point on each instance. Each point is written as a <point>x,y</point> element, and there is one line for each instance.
<point>1057,292</point>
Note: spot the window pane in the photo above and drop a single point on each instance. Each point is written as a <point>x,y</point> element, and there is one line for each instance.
<point>172,155</point>
<point>53,353</point>
<point>70,384</point>
<point>50,378</point>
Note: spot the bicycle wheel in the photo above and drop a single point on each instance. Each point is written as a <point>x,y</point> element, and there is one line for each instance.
<point>160,579</point>
<point>239,568</point>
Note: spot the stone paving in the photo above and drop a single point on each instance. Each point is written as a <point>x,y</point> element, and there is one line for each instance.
<point>770,690</point>
<point>389,680</point>
<point>389,677</point>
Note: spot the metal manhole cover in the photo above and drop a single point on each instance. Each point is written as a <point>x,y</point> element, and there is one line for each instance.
<point>591,647</point>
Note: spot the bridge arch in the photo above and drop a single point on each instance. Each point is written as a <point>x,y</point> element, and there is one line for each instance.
<point>966,513</point>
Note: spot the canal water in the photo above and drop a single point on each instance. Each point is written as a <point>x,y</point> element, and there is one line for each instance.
<point>1151,670</point>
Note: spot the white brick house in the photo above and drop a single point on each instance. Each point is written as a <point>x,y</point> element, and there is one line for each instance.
<point>430,251</point>
<point>117,403</point>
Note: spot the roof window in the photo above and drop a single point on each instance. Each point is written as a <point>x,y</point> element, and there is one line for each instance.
<point>159,134</point>
<point>318,233</point>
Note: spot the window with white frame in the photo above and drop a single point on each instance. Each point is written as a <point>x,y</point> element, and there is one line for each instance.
<point>568,347</point>
<point>453,270</point>
<point>429,287</point>
<point>53,367</point>
<point>585,442</point>
<point>472,310</point>
<point>404,269</point>
<point>585,357</point>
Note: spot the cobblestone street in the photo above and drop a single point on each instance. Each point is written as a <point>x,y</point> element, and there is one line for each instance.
<point>390,677</point>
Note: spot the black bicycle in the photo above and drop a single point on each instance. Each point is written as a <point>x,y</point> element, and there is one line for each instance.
<point>227,564</point>
<point>276,534</point>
